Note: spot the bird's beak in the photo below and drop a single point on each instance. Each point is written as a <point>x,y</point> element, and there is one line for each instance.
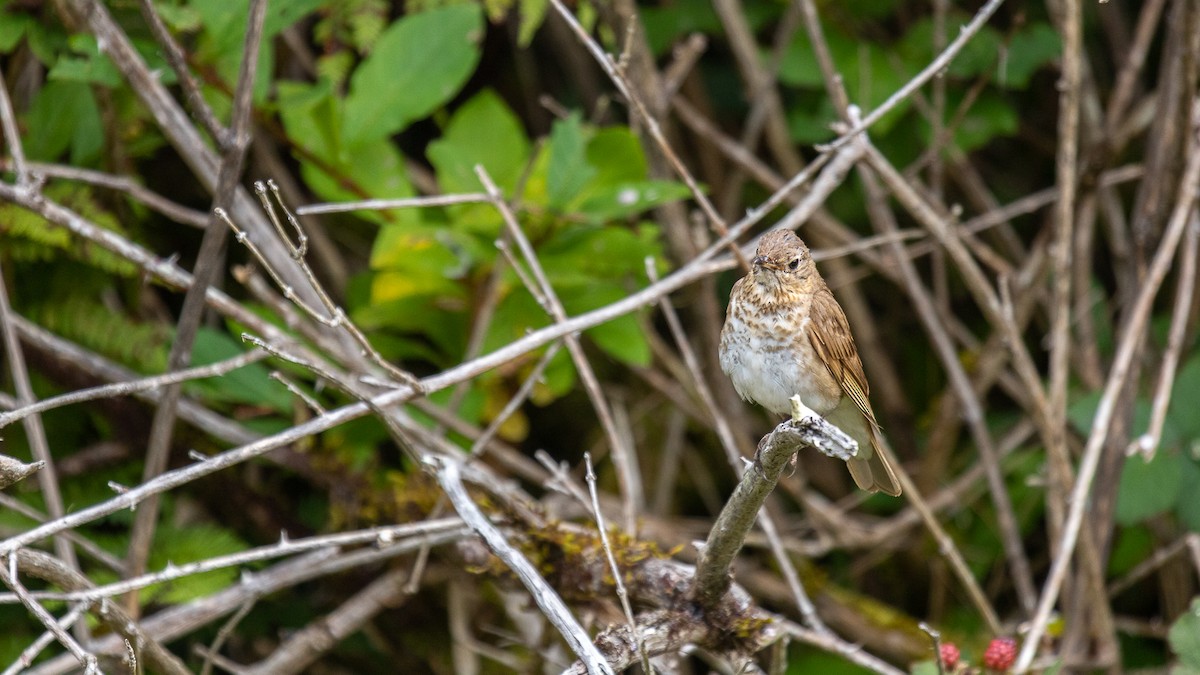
<point>759,261</point>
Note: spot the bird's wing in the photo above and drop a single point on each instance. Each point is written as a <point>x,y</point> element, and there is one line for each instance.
<point>829,334</point>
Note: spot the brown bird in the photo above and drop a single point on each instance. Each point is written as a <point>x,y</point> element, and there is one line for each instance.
<point>785,335</point>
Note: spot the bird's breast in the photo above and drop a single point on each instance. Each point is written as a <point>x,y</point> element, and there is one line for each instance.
<point>766,353</point>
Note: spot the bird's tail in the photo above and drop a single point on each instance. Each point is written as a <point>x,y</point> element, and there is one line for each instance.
<point>870,468</point>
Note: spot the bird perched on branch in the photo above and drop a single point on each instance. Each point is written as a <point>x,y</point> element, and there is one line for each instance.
<point>786,335</point>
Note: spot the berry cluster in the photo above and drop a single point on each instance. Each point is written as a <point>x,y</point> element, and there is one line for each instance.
<point>999,656</point>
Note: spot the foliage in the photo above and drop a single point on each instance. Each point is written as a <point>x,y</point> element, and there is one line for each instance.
<point>369,99</point>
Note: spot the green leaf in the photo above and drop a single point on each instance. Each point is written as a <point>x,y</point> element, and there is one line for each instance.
<point>87,65</point>
<point>990,116</point>
<point>1148,488</point>
<point>925,668</point>
<point>417,65</point>
<point>251,384</point>
<point>627,199</point>
<point>1183,396</point>
<point>1184,637</point>
<point>568,170</point>
<point>1131,546</point>
<point>1188,508</point>
<point>623,337</point>
<point>616,154</point>
<point>193,543</point>
<point>311,114</point>
<point>1032,48</point>
<point>533,12</point>
<point>64,115</point>
<point>483,131</point>
<point>12,28</point>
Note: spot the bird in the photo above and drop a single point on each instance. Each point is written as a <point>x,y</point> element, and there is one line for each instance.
<point>785,335</point>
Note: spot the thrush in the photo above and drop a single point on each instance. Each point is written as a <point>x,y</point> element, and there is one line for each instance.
<point>786,335</point>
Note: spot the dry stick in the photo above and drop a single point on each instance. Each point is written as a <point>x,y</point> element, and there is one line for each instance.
<point>171,118</point>
<point>729,442</point>
<point>1066,169</point>
<point>449,476</point>
<point>987,300</point>
<point>610,67</point>
<point>766,112</point>
<point>13,471</point>
<point>180,620</point>
<point>618,580</point>
<point>151,199</point>
<point>936,66</point>
<point>87,546</point>
<point>99,367</point>
<point>46,618</point>
<point>336,315</point>
<point>35,432</point>
<point>209,262</point>
<point>1131,337</point>
<point>384,204</point>
<point>30,653</point>
<point>178,62</point>
<point>883,219</point>
<point>12,137</point>
<point>805,429</point>
<point>633,496</point>
<point>382,536</point>
<point>338,320</point>
<point>212,653</point>
<point>301,649</point>
<point>1135,59</point>
<point>522,394</point>
<point>133,386</point>
<point>693,270</point>
<point>1147,443</point>
<point>1143,569</point>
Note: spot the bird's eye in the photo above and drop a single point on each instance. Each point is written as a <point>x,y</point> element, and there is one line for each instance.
<point>794,264</point>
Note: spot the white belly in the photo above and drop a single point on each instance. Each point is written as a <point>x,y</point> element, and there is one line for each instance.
<point>766,369</point>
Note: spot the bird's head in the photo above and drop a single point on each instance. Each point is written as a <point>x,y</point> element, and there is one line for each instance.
<point>783,261</point>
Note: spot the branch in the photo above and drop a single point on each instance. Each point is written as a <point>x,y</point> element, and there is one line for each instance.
<point>806,429</point>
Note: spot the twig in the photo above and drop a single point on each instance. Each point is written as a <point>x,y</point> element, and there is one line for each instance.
<point>1147,443</point>
<point>631,487</point>
<point>552,606</point>
<point>9,565</point>
<point>13,470</point>
<point>306,645</point>
<point>35,432</point>
<point>133,386</point>
<point>935,66</point>
<point>986,297</point>
<point>178,62</point>
<point>12,137</point>
<point>209,262</point>
<point>1131,336</point>
<point>30,653</point>
<point>618,581</point>
<point>383,204</point>
<point>805,430</point>
<point>610,67</point>
<point>884,221</point>
<point>382,537</point>
<point>154,201</point>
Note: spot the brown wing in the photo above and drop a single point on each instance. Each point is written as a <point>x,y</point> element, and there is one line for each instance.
<point>829,333</point>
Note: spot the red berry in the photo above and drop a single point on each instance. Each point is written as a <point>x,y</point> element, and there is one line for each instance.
<point>949,654</point>
<point>1000,654</point>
